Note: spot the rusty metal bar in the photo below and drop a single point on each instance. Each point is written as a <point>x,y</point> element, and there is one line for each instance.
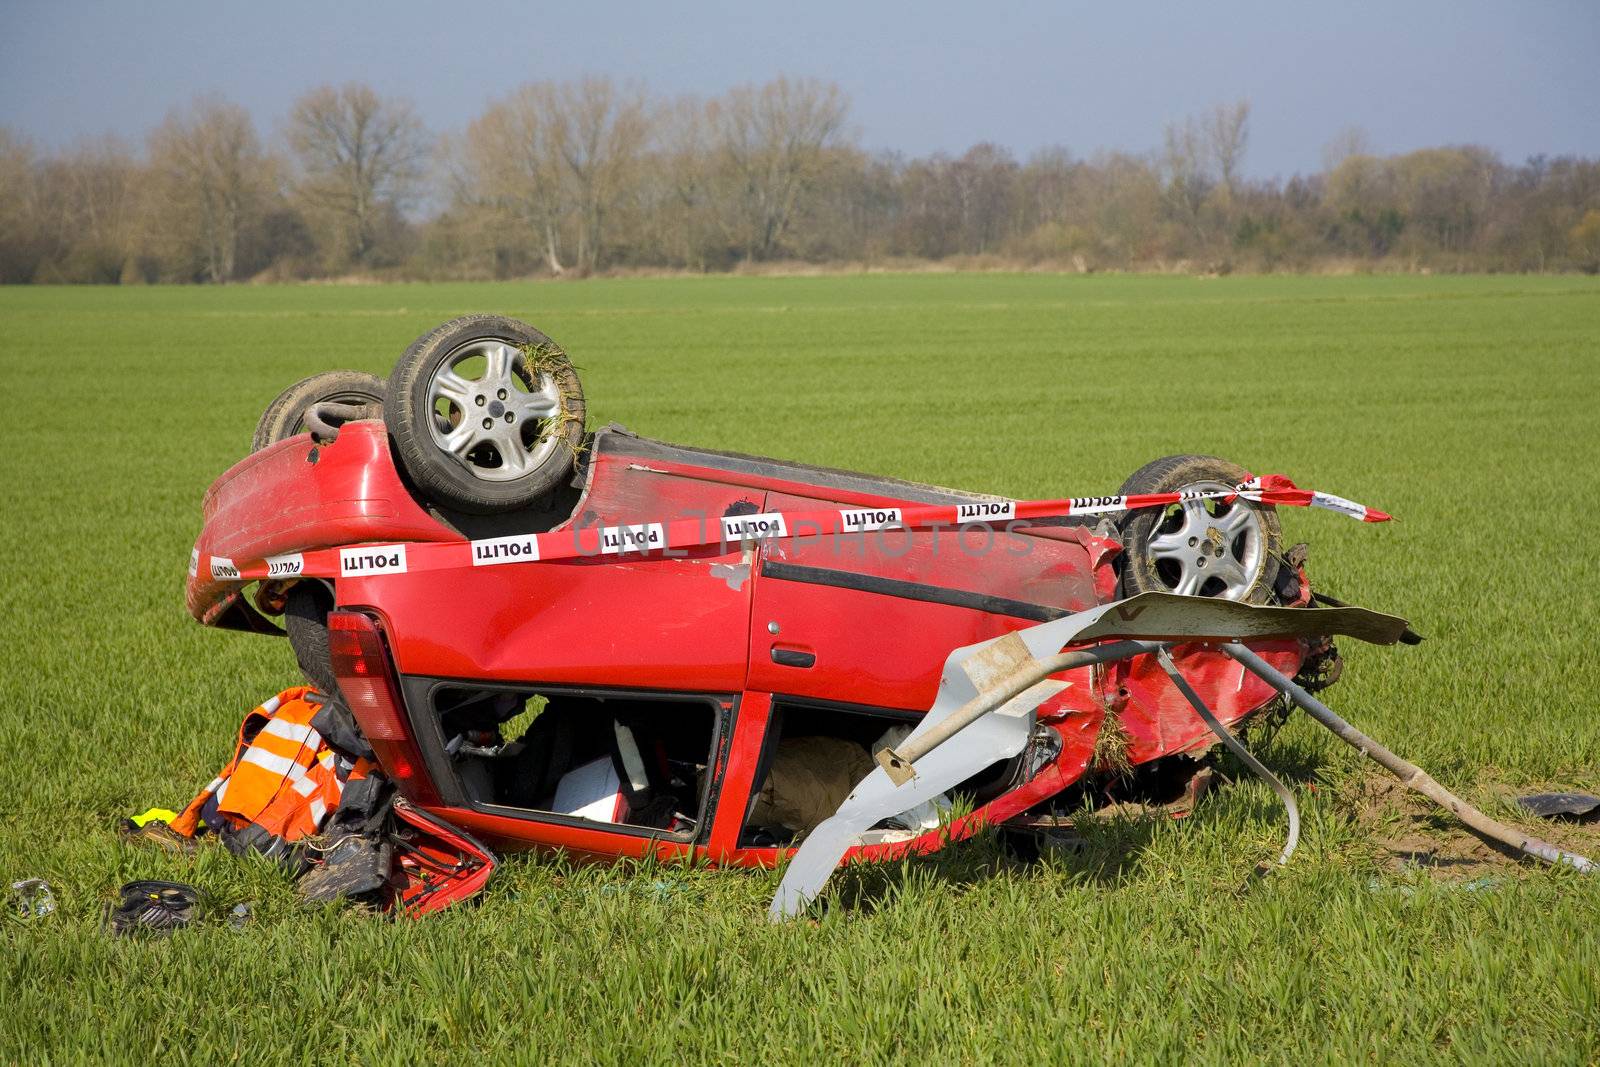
<point>1409,774</point>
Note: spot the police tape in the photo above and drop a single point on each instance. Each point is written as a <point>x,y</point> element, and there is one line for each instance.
<point>678,536</point>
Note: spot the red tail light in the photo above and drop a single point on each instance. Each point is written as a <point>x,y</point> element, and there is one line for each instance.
<point>368,684</point>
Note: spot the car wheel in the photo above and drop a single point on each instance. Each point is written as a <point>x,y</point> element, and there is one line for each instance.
<point>286,416</point>
<point>305,619</point>
<point>486,414</point>
<point>1199,547</point>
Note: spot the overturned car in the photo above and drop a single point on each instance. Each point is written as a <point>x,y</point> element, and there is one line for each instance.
<point>606,644</point>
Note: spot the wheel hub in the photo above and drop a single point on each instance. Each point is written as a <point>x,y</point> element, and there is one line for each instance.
<point>488,405</point>
<point>1209,547</point>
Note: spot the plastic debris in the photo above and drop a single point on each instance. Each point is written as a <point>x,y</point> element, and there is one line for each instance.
<point>240,917</point>
<point>1578,807</point>
<point>33,898</point>
<point>153,815</point>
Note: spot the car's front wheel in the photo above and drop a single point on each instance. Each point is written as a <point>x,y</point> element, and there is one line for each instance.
<point>1199,547</point>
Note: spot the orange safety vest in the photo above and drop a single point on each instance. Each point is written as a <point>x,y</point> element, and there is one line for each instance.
<point>282,782</point>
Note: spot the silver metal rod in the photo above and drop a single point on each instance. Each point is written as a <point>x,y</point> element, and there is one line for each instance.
<point>1238,749</point>
<point>1410,775</point>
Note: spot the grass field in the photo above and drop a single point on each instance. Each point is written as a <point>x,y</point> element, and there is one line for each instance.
<point>1466,406</point>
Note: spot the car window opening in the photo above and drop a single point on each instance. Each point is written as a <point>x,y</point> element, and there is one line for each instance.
<point>814,756</point>
<point>627,760</point>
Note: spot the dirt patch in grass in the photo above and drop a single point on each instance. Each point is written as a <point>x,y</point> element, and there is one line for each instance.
<point>1406,830</point>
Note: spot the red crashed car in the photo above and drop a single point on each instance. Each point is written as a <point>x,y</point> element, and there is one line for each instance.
<point>611,645</point>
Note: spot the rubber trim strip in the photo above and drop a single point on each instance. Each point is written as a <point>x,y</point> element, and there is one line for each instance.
<point>895,587</point>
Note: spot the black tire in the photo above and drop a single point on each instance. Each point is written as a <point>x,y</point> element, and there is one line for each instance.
<point>305,618</point>
<point>478,483</point>
<point>286,416</point>
<point>1143,572</point>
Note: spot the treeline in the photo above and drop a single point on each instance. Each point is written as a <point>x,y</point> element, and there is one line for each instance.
<point>593,176</point>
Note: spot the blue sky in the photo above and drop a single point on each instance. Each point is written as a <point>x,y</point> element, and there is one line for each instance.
<point>1521,78</point>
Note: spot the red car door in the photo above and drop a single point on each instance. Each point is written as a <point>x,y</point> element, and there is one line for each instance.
<point>868,618</point>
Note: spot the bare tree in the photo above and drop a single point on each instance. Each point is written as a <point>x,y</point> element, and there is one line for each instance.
<point>774,140</point>
<point>1445,194</point>
<point>20,237</point>
<point>1350,141</point>
<point>360,157</point>
<point>601,134</point>
<point>1185,168</point>
<point>985,186</point>
<point>1199,165</point>
<point>1362,194</point>
<point>1045,186</point>
<point>212,179</point>
<point>1227,133</point>
<point>1585,240</point>
<point>513,165</point>
<point>86,206</point>
<point>1117,198</point>
<point>685,164</point>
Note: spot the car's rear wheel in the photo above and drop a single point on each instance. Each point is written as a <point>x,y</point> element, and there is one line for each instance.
<point>486,414</point>
<point>286,415</point>
<point>1199,547</point>
<point>305,619</point>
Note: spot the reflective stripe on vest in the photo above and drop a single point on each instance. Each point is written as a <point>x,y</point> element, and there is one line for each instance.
<point>301,805</point>
<point>282,780</point>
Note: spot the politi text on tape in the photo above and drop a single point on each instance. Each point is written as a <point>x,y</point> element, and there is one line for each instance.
<point>754,527</point>
<point>493,551</point>
<point>372,559</point>
<point>643,537</point>
<point>1096,505</point>
<point>863,519</point>
<point>987,511</point>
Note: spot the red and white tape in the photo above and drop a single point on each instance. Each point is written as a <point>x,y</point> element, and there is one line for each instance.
<point>375,560</point>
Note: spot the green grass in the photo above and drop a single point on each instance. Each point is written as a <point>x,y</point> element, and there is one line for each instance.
<point>1466,406</point>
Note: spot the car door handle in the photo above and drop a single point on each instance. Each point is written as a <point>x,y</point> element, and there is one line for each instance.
<point>793,657</point>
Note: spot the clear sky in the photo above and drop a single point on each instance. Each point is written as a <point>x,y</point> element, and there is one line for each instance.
<point>1520,77</point>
